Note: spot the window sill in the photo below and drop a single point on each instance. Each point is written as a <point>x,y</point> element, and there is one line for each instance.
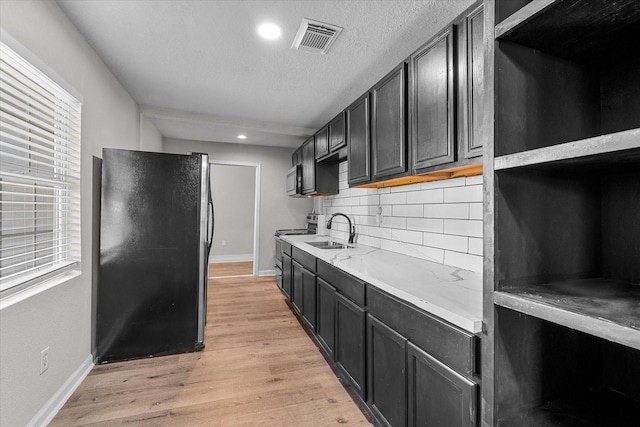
<point>26,293</point>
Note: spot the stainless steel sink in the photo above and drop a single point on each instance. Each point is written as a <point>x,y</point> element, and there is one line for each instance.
<point>329,244</point>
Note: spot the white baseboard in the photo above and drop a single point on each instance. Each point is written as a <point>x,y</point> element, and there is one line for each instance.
<point>231,258</point>
<point>56,402</point>
<point>266,273</point>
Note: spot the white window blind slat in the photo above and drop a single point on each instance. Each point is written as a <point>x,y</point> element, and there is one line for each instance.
<point>8,128</point>
<point>39,175</point>
<point>38,106</point>
<point>21,85</point>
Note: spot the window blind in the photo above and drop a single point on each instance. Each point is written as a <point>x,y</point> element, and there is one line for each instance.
<point>39,175</point>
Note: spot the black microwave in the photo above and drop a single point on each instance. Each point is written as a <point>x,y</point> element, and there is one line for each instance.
<point>294,181</point>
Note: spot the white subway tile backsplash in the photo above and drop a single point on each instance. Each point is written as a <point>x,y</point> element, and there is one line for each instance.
<point>440,220</point>
<point>360,210</point>
<point>475,211</point>
<point>469,194</point>
<point>473,180</point>
<point>372,199</point>
<point>374,242</point>
<point>426,196</point>
<point>407,236</point>
<point>446,241</point>
<point>432,225</point>
<point>393,199</point>
<point>475,246</point>
<point>417,251</point>
<point>455,182</point>
<point>394,222</point>
<point>415,211</point>
<point>471,228</point>
<point>447,210</point>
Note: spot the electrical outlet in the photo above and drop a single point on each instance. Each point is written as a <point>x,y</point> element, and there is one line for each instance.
<point>224,243</point>
<point>44,360</point>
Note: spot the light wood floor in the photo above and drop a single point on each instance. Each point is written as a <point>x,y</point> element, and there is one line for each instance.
<point>230,269</point>
<point>259,368</point>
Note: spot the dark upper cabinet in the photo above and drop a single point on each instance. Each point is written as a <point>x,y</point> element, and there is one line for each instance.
<point>322,142</point>
<point>437,395</point>
<point>296,157</point>
<point>388,125</point>
<point>470,82</point>
<point>317,178</point>
<point>431,97</point>
<point>308,166</point>
<point>337,137</point>
<point>358,141</point>
<point>386,373</point>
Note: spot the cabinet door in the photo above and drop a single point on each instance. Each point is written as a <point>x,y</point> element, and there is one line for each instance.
<point>350,347</point>
<point>309,298</point>
<point>358,141</point>
<point>337,138</point>
<point>326,315</point>
<point>308,166</point>
<point>388,124</point>
<point>287,279</point>
<point>470,82</point>
<point>297,290</point>
<point>296,157</point>
<point>432,103</point>
<point>437,395</point>
<point>386,373</point>
<point>322,142</point>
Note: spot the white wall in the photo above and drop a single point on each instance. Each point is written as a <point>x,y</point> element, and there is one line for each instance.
<point>277,210</point>
<point>233,191</point>
<point>440,221</point>
<point>60,317</point>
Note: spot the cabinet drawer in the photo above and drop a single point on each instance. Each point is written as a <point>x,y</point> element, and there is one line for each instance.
<point>305,259</point>
<point>286,248</point>
<point>453,346</point>
<point>344,283</point>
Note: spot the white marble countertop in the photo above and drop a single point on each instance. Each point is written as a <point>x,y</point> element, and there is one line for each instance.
<point>450,293</point>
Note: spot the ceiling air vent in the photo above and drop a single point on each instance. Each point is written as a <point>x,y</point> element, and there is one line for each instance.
<point>314,36</point>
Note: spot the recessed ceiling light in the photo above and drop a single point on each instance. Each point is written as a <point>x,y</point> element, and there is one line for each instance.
<point>242,136</point>
<point>269,31</point>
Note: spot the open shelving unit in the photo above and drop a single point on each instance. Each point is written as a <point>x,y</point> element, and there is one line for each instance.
<point>563,299</point>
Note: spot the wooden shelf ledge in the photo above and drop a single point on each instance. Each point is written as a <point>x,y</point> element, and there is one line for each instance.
<point>470,170</point>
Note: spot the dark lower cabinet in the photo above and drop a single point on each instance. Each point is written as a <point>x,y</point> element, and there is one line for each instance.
<point>326,316</point>
<point>309,298</point>
<point>437,395</point>
<point>287,279</point>
<point>350,342</point>
<point>296,292</point>
<point>386,373</point>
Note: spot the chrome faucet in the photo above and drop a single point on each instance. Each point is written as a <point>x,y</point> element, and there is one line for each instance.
<point>352,228</point>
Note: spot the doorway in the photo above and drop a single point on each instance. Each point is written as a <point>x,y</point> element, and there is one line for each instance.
<point>235,189</point>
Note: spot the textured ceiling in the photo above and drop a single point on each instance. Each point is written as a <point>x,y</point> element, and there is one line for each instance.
<point>199,70</point>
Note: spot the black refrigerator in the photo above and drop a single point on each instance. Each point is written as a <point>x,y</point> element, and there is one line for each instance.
<point>156,227</point>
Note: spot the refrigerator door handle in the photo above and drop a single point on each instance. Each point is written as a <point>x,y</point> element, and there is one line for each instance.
<point>211,224</point>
